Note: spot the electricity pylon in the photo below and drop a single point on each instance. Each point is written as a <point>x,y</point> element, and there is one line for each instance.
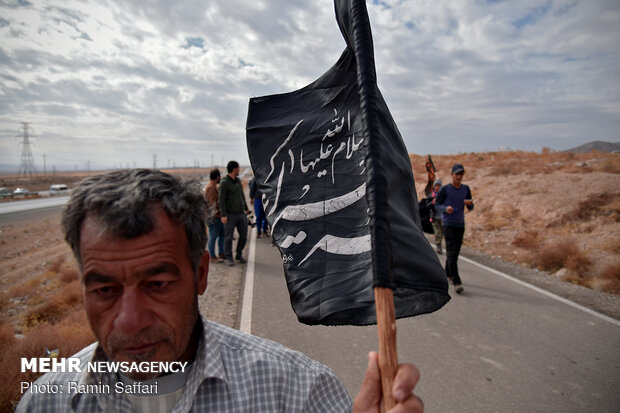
<point>27,164</point>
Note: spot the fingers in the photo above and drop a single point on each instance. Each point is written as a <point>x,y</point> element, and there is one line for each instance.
<point>412,405</point>
<point>369,396</point>
<point>405,381</point>
<point>406,378</point>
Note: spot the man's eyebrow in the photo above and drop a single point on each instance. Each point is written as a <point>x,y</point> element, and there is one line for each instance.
<point>95,277</point>
<point>162,268</point>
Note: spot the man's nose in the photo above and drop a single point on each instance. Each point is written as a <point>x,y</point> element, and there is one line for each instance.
<point>133,315</point>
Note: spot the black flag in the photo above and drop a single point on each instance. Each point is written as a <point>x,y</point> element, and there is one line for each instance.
<point>339,194</point>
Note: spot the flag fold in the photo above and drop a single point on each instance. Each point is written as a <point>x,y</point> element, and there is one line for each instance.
<point>338,191</point>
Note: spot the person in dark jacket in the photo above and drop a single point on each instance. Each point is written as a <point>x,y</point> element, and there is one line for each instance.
<point>234,210</point>
<point>452,201</point>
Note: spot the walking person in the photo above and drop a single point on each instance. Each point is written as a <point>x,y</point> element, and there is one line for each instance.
<point>436,216</point>
<point>262,227</point>
<point>452,201</point>
<point>234,212</point>
<point>214,220</point>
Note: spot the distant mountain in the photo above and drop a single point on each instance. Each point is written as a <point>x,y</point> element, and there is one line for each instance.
<point>596,146</point>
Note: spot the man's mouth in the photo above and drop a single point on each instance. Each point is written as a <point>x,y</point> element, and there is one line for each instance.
<point>140,349</point>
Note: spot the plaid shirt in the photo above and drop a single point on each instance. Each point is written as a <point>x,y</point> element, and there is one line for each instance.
<point>232,372</point>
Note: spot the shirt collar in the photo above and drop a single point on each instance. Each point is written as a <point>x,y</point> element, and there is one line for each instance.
<point>208,364</point>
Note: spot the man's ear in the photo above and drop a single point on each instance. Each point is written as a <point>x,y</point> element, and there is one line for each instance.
<point>203,272</point>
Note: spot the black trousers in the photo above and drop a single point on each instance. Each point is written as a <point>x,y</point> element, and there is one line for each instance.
<point>240,222</point>
<point>454,240</point>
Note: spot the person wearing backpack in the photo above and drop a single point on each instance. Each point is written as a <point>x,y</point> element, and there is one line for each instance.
<point>214,217</point>
<point>436,216</point>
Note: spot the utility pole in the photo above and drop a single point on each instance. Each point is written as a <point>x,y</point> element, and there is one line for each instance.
<point>44,164</point>
<point>27,164</point>
<point>154,161</point>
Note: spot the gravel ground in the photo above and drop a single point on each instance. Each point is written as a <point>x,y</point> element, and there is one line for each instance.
<point>221,302</point>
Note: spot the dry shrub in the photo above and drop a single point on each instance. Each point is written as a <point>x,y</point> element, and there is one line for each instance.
<point>68,336</point>
<point>52,310</point>
<point>562,253</point>
<point>605,204</point>
<point>501,218</point>
<point>610,165</point>
<point>503,169</point>
<point>55,265</point>
<point>7,337</point>
<point>27,287</point>
<point>611,245</point>
<point>528,239</point>
<point>4,300</point>
<point>609,278</point>
<point>68,275</point>
<point>495,223</point>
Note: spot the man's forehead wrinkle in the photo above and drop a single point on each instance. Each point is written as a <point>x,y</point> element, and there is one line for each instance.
<point>122,219</point>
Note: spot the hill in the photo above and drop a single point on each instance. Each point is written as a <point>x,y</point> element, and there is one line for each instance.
<point>596,146</point>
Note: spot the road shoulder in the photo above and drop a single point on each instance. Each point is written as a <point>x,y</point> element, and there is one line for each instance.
<point>599,301</point>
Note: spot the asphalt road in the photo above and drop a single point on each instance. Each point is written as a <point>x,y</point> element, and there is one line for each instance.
<point>16,211</point>
<point>499,347</point>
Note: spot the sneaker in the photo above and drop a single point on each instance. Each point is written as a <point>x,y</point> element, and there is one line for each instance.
<point>241,260</point>
<point>216,259</point>
<point>458,288</point>
<point>230,262</point>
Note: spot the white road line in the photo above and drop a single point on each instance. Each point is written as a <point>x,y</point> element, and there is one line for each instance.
<point>245,324</point>
<point>547,293</point>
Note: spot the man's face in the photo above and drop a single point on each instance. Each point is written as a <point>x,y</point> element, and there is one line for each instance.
<point>457,178</point>
<point>235,172</point>
<point>140,294</point>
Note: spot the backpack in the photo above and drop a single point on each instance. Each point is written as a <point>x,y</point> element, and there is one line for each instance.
<point>426,208</point>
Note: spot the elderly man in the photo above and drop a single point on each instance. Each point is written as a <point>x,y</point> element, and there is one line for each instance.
<point>139,239</point>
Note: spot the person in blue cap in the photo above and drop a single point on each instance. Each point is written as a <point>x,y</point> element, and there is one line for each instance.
<point>452,200</point>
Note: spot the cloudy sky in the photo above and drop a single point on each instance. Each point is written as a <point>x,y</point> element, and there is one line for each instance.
<point>120,83</point>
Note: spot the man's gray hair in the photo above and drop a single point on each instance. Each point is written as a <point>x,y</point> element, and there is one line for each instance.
<point>122,201</point>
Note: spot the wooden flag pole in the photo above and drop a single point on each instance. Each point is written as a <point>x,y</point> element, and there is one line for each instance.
<point>388,356</point>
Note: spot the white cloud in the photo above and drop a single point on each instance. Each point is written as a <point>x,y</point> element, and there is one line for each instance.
<point>115,82</point>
